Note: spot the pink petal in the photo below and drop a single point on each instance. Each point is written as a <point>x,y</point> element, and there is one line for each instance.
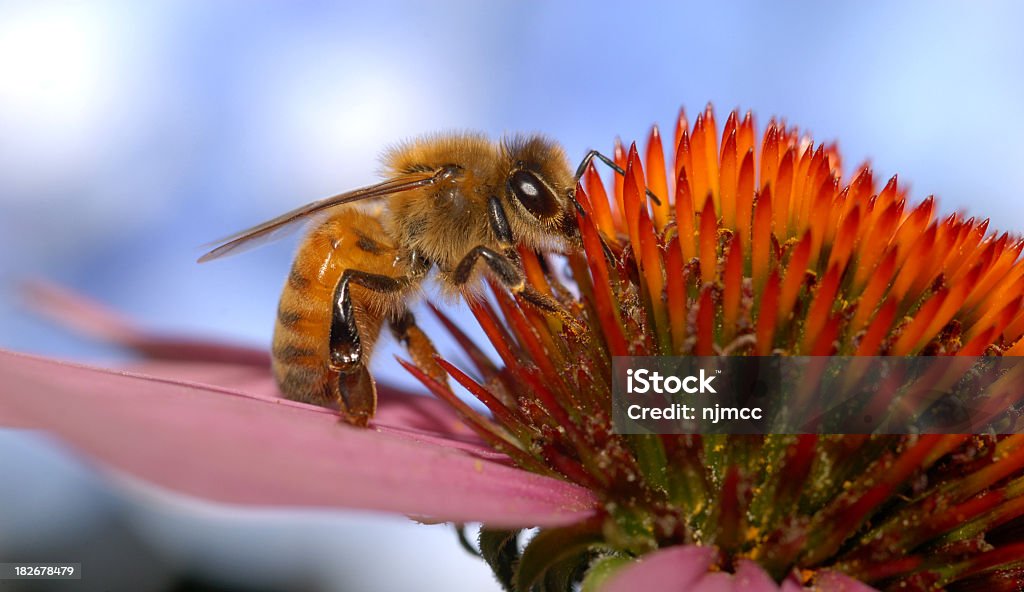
<point>92,319</point>
<point>690,568</point>
<point>722,582</point>
<point>237,367</point>
<point>254,449</point>
<point>671,569</point>
<point>417,417</point>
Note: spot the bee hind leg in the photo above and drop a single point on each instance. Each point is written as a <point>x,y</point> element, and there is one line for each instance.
<point>358,393</point>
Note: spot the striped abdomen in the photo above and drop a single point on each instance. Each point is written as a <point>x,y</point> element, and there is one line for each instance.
<point>350,239</point>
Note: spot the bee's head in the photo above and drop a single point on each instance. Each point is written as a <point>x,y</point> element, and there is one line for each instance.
<point>538,189</point>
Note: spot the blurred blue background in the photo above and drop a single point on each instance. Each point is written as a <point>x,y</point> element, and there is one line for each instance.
<point>131,133</point>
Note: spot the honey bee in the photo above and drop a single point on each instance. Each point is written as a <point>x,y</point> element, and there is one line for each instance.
<point>449,202</point>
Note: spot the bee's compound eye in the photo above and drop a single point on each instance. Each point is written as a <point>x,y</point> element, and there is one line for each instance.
<point>535,196</point>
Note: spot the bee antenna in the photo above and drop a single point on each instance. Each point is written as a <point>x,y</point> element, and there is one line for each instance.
<point>575,202</point>
<point>608,253</point>
<point>591,154</point>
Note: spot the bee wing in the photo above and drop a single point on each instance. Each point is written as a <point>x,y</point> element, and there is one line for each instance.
<point>287,222</point>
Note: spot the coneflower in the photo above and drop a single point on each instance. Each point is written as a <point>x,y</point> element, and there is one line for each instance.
<point>758,246</point>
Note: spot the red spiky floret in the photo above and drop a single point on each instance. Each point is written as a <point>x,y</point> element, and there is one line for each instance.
<point>759,246</point>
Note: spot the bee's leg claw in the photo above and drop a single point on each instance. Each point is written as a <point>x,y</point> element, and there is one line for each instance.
<point>550,305</point>
<point>358,395</point>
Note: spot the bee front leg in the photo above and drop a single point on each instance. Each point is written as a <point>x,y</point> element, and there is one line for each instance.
<point>507,269</point>
<point>510,273</point>
<point>355,385</point>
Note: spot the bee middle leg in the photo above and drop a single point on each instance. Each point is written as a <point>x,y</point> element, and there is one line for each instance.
<point>420,348</point>
<point>355,385</point>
